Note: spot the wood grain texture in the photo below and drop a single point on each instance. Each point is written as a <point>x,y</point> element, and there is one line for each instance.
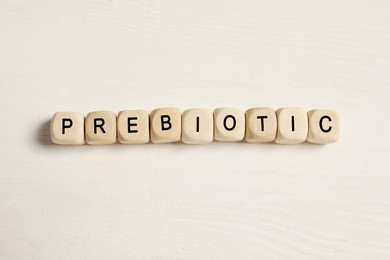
<point>175,201</point>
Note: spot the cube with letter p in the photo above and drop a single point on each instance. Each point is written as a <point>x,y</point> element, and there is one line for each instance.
<point>67,128</point>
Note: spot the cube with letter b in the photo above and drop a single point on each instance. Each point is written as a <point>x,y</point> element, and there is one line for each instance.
<point>165,125</point>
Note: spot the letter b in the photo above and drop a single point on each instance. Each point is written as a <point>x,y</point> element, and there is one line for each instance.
<point>166,122</point>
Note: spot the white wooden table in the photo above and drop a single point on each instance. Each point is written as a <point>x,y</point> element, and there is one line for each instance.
<point>176,201</point>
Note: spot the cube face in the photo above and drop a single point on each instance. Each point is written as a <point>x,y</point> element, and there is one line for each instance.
<point>261,125</point>
<point>133,127</point>
<point>229,124</point>
<point>100,127</point>
<point>292,125</point>
<point>324,126</point>
<point>67,128</point>
<point>165,124</point>
<point>197,126</point>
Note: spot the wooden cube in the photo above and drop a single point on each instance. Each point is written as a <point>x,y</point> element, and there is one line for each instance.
<point>261,125</point>
<point>229,124</point>
<point>324,126</point>
<point>100,127</point>
<point>67,128</point>
<point>197,126</point>
<point>133,127</point>
<point>292,125</point>
<point>165,124</point>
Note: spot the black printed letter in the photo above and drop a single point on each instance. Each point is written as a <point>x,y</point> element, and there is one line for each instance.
<point>165,120</point>
<point>262,121</point>
<point>129,125</point>
<point>96,125</point>
<point>66,126</point>
<point>292,124</point>
<point>234,122</point>
<point>322,129</point>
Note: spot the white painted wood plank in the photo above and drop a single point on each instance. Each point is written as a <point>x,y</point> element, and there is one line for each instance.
<point>220,201</point>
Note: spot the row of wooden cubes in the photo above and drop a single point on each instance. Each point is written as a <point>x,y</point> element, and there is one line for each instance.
<point>196,126</point>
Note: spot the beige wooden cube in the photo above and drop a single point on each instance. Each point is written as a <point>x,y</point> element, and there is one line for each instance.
<point>261,125</point>
<point>197,126</point>
<point>67,128</point>
<point>229,124</point>
<point>133,127</point>
<point>324,126</point>
<point>100,127</point>
<point>165,124</point>
<point>292,125</point>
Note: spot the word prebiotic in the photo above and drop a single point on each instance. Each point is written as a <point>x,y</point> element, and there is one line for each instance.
<point>196,126</point>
